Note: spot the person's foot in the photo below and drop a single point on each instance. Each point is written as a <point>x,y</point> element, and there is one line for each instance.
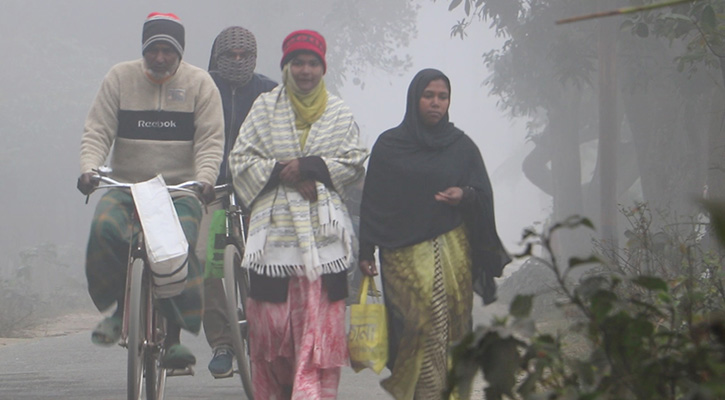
<point>107,332</point>
<point>220,365</point>
<point>177,356</point>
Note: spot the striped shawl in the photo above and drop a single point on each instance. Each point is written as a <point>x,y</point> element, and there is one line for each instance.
<point>288,235</point>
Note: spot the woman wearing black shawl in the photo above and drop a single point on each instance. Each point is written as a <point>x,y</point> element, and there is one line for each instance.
<point>428,207</point>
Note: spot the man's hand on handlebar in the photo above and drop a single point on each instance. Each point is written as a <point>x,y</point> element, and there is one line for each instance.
<point>85,184</point>
<point>207,192</point>
<point>88,182</point>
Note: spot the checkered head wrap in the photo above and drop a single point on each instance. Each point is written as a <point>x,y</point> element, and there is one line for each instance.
<point>236,71</point>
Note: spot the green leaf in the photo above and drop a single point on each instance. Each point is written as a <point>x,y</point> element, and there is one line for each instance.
<point>521,306</point>
<point>708,18</point>
<point>679,17</point>
<point>602,303</point>
<point>651,283</point>
<point>590,285</point>
<point>454,4</point>
<point>587,222</point>
<point>576,261</point>
<point>641,30</point>
<point>500,367</point>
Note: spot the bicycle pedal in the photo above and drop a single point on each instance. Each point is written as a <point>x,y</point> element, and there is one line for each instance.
<point>180,371</point>
<point>229,375</point>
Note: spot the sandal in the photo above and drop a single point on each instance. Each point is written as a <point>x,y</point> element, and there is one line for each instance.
<point>107,332</point>
<point>177,357</point>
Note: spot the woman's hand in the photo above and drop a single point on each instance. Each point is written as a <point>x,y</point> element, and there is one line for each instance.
<point>308,189</point>
<point>291,171</point>
<point>368,268</point>
<point>451,196</point>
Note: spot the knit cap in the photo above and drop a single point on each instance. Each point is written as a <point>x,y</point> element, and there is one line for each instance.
<point>303,40</point>
<point>163,27</point>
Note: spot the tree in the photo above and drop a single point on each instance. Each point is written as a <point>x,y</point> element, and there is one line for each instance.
<point>549,75</point>
<point>699,30</point>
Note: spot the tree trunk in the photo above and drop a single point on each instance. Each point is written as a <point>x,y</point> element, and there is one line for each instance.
<point>566,173</point>
<point>716,140</point>
<point>608,130</point>
<point>565,161</point>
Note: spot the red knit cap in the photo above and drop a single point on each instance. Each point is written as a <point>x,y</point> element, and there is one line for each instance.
<point>303,40</point>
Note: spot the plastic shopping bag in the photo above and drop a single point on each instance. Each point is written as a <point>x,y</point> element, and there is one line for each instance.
<point>214,266</point>
<point>367,339</point>
<point>167,250</point>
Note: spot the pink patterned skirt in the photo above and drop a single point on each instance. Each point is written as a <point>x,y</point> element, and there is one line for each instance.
<point>297,347</point>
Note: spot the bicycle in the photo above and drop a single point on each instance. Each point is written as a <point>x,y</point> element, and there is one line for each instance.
<point>143,328</point>
<point>236,283</point>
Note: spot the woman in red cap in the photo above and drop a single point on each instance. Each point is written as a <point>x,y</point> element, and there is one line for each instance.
<point>296,153</point>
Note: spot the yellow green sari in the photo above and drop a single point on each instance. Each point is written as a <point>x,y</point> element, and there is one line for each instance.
<point>429,298</point>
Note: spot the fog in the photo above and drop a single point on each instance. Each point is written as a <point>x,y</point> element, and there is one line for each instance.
<point>57,53</point>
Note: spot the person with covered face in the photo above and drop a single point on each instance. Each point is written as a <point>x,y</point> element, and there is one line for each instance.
<point>231,65</point>
<point>427,206</point>
<point>154,115</point>
<point>296,153</point>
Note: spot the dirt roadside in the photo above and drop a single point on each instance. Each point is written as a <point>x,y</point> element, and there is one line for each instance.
<point>57,326</point>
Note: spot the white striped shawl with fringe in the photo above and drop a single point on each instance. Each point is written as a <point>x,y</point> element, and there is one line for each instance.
<point>288,235</point>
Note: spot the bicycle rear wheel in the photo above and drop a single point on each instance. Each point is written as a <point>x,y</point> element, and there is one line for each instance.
<point>136,330</point>
<point>236,287</point>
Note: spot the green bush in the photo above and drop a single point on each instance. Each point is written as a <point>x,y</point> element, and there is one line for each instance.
<point>650,316</point>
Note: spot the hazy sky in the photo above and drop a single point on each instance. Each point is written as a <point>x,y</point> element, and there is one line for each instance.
<point>99,35</point>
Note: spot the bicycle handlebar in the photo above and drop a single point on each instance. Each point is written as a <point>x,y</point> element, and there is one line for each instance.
<point>192,187</point>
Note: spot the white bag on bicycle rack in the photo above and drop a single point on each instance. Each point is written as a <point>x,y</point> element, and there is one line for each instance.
<point>167,250</point>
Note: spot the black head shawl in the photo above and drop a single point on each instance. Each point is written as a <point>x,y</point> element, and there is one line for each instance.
<point>408,165</point>
<point>439,135</point>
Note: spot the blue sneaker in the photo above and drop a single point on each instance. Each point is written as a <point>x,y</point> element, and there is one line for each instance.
<point>220,365</point>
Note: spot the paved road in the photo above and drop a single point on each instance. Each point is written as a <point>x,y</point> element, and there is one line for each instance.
<point>71,367</point>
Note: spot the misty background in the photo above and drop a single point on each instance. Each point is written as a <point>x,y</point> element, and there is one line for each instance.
<point>58,53</point>
<point>583,118</point>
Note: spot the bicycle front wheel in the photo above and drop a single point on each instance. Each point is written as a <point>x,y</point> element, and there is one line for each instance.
<point>154,373</point>
<point>136,330</point>
<point>236,287</point>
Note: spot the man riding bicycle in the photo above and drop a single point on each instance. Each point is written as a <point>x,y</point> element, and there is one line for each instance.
<point>159,114</point>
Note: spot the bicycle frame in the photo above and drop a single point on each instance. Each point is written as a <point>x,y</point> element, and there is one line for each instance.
<point>145,348</point>
<point>236,284</point>
<point>235,222</point>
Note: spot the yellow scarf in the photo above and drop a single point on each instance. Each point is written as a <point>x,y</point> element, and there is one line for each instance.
<point>308,107</point>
